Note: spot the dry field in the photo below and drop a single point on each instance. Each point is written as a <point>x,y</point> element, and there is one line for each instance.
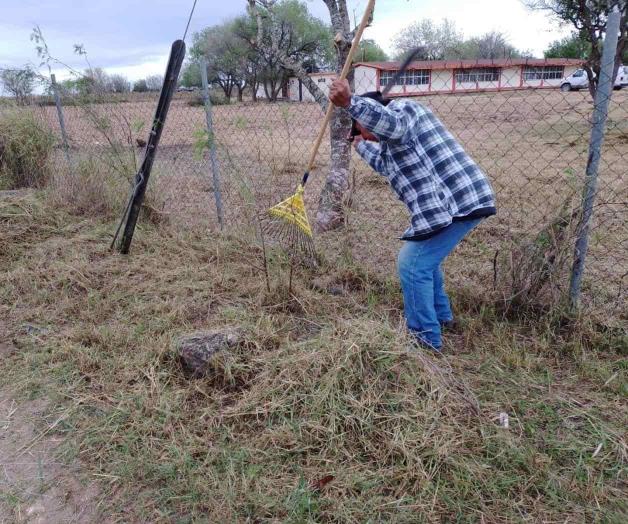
<point>324,412</point>
<point>532,144</point>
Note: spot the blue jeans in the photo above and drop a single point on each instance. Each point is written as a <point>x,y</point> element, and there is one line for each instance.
<point>426,304</point>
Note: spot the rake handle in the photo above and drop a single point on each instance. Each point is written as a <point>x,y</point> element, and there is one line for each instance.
<point>343,75</point>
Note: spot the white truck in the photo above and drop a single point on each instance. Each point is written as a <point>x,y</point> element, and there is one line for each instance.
<point>580,80</point>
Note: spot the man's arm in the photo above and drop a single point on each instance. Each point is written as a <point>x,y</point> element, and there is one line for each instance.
<point>370,153</point>
<point>387,123</point>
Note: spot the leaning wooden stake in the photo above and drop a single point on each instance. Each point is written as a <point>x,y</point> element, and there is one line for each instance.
<point>177,53</point>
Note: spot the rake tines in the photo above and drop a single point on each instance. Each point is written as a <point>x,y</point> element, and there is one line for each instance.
<point>288,225</point>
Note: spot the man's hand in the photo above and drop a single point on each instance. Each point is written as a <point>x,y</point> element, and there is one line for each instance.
<point>340,93</point>
<point>356,140</point>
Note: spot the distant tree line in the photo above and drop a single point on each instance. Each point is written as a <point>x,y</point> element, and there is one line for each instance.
<point>443,41</point>
<point>98,81</point>
<point>240,55</point>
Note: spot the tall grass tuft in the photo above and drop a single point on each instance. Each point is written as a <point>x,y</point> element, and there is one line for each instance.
<point>534,273</point>
<point>88,188</point>
<point>25,147</point>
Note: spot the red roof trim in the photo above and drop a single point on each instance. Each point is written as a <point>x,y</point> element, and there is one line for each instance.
<point>466,64</point>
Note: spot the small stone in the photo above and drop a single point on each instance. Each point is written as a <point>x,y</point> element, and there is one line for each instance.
<point>197,349</point>
<point>34,329</point>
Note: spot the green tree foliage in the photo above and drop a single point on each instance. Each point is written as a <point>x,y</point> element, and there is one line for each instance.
<point>191,74</point>
<point>18,83</point>
<point>370,51</point>
<point>140,86</point>
<point>572,46</point>
<point>490,45</point>
<point>282,34</point>
<point>306,38</point>
<point>437,41</point>
<point>236,59</point>
<point>227,55</point>
<point>443,41</point>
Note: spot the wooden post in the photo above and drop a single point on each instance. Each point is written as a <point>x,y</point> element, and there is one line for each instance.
<point>177,53</point>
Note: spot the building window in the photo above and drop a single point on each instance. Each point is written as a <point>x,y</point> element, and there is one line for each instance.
<point>416,77</point>
<point>483,74</point>
<point>543,72</point>
<point>386,77</point>
<point>411,78</point>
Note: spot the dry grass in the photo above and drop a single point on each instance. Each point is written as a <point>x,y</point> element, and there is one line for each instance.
<point>25,147</point>
<point>323,414</point>
<point>532,144</point>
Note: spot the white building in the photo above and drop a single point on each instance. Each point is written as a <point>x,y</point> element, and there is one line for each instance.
<point>298,92</point>
<point>449,76</point>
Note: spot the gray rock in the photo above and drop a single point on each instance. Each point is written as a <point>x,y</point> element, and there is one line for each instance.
<point>197,349</point>
<point>34,329</point>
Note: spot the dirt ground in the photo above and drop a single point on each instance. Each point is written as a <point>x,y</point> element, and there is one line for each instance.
<point>36,487</point>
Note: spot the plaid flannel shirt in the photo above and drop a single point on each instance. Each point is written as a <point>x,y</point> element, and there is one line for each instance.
<point>425,166</point>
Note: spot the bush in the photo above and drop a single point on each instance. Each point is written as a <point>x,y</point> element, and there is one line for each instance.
<point>217,99</point>
<point>25,146</point>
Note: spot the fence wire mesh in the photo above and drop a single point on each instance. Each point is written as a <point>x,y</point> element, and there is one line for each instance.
<point>533,143</point>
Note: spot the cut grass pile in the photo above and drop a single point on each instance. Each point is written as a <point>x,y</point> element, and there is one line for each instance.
<point>322,414</point>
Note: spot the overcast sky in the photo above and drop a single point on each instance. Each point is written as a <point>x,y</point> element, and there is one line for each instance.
<point>133,37</point>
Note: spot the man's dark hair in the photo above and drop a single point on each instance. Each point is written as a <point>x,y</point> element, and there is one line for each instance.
<point>373,95</point>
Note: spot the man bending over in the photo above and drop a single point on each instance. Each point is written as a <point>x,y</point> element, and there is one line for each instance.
<point>445,191</point>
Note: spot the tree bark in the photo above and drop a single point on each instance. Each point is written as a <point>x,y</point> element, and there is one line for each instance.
<point>330,214</point>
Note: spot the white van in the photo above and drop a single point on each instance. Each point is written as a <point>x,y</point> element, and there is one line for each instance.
<point>580,80</point>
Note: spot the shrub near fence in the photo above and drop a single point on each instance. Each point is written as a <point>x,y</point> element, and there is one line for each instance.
<point>533,144</point>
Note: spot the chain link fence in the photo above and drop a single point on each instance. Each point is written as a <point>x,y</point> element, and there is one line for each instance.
<point>532,141</point>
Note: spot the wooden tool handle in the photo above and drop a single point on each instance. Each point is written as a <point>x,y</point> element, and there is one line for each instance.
<point>343,75</point>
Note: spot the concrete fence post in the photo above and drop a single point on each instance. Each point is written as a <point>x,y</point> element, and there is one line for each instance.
<point>600,114</point>
<point>64,134</point>
<point>212,144</point>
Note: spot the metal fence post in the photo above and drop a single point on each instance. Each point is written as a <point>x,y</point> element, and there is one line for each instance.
<point>212,143</point>
<point>64,135</point>
<point>600,113</point>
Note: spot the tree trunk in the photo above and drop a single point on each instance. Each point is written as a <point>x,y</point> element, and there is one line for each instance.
<point>330,213</point>
<point>273,90</point>
<point>240,92</point>
<point>254,87</point>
